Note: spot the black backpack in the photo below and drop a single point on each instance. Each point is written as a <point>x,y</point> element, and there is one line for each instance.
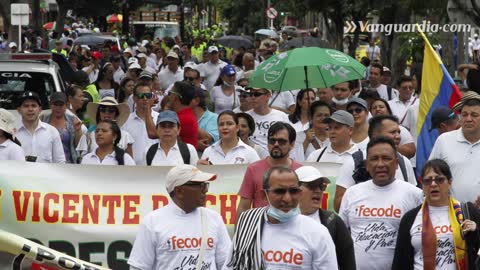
<point>181,146</point>
<point>360,173</point>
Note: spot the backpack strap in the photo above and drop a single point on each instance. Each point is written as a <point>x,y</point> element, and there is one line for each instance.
<point>151,153</point>
<point>184,152</point>
<point>389,92</point>
<point>403,168</point>
<point>327,218</point>
<point>357,159</point>
<point>321,154</point>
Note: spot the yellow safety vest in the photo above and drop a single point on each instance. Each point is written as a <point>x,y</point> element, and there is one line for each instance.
<point>63,51</point>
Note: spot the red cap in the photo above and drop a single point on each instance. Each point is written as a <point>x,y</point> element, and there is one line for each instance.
<point>97,55</point>
<point>115,48</point>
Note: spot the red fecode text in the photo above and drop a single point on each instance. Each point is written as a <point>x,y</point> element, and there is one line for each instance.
<point>443,229</point>
<point>184,243</point>
<point>283,257</point>
<point>363,211</point>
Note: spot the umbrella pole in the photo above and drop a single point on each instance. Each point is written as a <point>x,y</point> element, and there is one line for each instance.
<point>308,100</point>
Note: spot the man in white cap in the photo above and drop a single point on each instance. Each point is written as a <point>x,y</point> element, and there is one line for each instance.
<point>142,61</point>
<point>172,73</point>
<point>13,47</point>
<point>313,183</point>
<point>183,234</point>
<point>211,69</point>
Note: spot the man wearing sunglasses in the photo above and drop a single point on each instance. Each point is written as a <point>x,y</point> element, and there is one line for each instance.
<point>313,184</point>
<point>264,115</point>
<point>136,124</point>
<point>373,209</point>
<point>340,126</point>
<point>281,139</point>
<point>183,234</point>
<point>278,236</point>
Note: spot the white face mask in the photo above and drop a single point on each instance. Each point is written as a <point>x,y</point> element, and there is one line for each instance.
<point>341,101</point>
<point>228,84</point>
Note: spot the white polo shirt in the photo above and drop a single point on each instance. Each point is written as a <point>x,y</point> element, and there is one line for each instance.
<point>240,154</point>
<point>463,158</point>
<point>330,155</point>
<point>167,77</point>
<point>110,159</point>
<point>345,179</point>
<point>11,151</point>
<point>211,72</point>
<point>44,143</point>
<point>382,91</point>
<point>138,130</point>
<point>399,108</point>
<point>173,158</point>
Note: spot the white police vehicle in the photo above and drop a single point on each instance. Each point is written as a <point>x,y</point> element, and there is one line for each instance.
<point>35,72</point>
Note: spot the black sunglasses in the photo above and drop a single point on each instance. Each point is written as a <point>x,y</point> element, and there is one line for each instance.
<point>356,110</point>
<point>283,191</point>
<point>439,180</point>
<point>316,184</point>
<point>107,109</point>
<point>144,95</point>
<point>258,94</point>
<point>245,95</point>
<point>272,141</point>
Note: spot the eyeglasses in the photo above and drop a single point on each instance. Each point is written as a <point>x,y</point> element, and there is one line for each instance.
<point>144,95</point>
<point>316,184</point>
<point>202,185</point>
<point>439,180</point>
<point>258,94</point>
<point>356,110</point>
<point>107,109</point>
<point>272,141</point>
<point>190,79</point>
<point>175,93</point>
<point>283,191</point>
<point>245,95</point>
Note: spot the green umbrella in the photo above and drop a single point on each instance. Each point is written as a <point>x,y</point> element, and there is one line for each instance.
<point>303,68</point>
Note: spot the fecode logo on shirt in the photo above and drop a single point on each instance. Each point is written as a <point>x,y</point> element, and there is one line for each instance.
<point>188,243</point>
<point>363,211</point>
<point>287,257</point>
<point>443,229</point>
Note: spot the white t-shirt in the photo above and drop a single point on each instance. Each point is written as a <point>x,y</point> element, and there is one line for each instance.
<point>118,75</point>
<point>167,77</point>
<point>263,123</point>
<point>170,238</point>
<point>93,75</point>
<point>363,144</point>
<point>282,100</point>
<point>399,109</point>
<point>445,246</point>
<point>110,159</point>
<point>301,243</point>
<point>463,158</point>
<point>345,178</point>
<point>373,215</point>
<point>173,158</point>
<point>223,102</point>
<point>373,52</point>
<point>211,72</point>
<point>383,92</point>
<point>240,154</point>
<point>11,151</point>
<point>83,147</point>
<point>299,127</point>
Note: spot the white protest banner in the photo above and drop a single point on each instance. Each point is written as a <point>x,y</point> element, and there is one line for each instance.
<point>92,212</point>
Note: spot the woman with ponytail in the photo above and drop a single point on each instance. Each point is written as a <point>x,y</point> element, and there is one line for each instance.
<point>107,136</point>
<point>442,233</point>
<point>10,147</point>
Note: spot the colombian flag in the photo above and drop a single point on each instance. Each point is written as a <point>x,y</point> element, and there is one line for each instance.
<point>438,89</point>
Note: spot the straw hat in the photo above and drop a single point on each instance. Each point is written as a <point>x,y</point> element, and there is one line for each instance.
<point>466,96</point>
<point>123,109</point>
<point>7,122</point>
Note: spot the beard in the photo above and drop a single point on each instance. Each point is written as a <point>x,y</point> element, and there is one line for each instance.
<point>277,153</point>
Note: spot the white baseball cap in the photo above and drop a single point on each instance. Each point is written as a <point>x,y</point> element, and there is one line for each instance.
<point>309,174</point>
<point>142,55</point>
<point>212,49</point>
<point>181,174</point>
<point>132,60</point>
<point>12,44</point>
<point>134,65</point>
<point>191,65</point>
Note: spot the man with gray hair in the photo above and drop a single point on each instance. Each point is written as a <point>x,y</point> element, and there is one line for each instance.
<point>248,62</point>
<point>278,236</point>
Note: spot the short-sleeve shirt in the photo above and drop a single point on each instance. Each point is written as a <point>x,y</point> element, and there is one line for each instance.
<point>263,123</point>
<point>188,126</point>
<point>240,154</point>
<point>110,159</point>
<point>252,185</point>
<point>11,151</point>
<point>170,238</point>
<point>173,157</point>
<point>208,122</point>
